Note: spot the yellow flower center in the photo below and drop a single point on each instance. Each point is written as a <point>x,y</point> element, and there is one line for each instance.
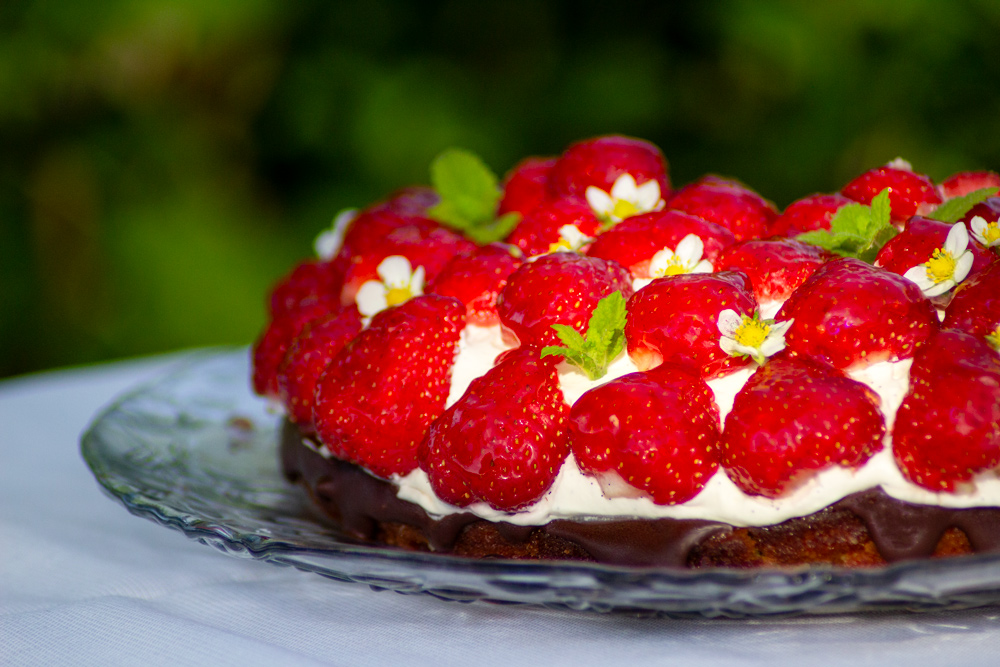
<point>751,332</point>
<point>941,266</point>
<point>992,233</point>
<point>561,244</point>
<point>397,295</point>
<point>624,209</point>
<point>675,267</point>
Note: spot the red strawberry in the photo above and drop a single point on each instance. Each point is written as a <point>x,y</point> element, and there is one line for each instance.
<point>964,182</point>
<point>633,242</point>
<point>796,416</point>
<point>504,441</point>
<point>477,279</point>
<point>559,288</point>
<point>309,356</point>
<point>909,193</point>
<point>851,314</point>
<point>431,249</point>
<point>657,430</point>
<point>947,429</point>
<point>988,210</point>
<point>369,230</point>
<point>270,349</point>
<point>809,214</point>
<point>676,319</point>
<point>601,161</point>
<point>380,394</point>
<point>917,243</point>
<point>526,186</point>
<point>309,281</point>
<point>411,201</point>
<point>727,203</point>
<point>539,230</point>
<point>975,307</point>
<point>775,267</point>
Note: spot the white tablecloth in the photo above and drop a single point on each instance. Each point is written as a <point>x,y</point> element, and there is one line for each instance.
<point>83,582</point>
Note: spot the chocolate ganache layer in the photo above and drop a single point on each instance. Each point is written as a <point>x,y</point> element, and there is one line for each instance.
<point>864,529</point>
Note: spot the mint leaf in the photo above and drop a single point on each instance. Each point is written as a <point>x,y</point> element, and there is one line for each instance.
<point>604,341</point>
<point>469,194</point>
<point>856,230</point>
<point>955,209</point>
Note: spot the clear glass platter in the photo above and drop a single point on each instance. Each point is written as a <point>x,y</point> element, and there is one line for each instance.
<point>196,451</point>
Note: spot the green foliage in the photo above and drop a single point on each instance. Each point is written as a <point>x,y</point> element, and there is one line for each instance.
<point>604,341</point>
<point>954,209</point>
<point>856,230</point>
<point>469,194</point>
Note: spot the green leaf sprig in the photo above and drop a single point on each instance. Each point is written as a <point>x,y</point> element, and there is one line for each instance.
<point>955,209</point>
<point>469,194</point>
<point>856,230</point>
<point>604,341</point>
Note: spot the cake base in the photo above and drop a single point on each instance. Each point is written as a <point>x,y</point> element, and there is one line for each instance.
<point>862,530</point>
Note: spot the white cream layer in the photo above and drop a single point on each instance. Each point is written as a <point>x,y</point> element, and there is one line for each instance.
<point>574,495</point>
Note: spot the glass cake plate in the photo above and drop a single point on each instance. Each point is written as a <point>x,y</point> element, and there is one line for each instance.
<point>196,451</point>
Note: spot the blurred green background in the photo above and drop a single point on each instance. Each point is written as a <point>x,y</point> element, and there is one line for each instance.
<point>163,162</point>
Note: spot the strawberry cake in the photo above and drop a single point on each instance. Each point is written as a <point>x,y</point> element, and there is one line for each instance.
<point>582,362</point>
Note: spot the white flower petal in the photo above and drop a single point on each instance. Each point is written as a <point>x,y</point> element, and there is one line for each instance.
<point>729,322</point>
<point>772,345</point>
<point>660,261</point>
<point>329,242</point>
<point>572,235</point>
<point>979,227</point>
<point>962,266</point>
<point>600,201</point>
<point>939,288</point>
<point>647,195</point>
<point>395,271</point>
<point>730,346</point>
<point>918,275</point>
<point>625,188</point>
<point>741,349</point>
<point>417,282</point>
<point>958,239</point>
<point>690,249</point>
<point>704,266</point>
<point>371,298</point>
<point>779,328</point>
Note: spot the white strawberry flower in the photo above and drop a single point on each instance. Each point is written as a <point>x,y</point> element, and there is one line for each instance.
<point>947,267</point>
<point>625,199</point>
<point>570,238</point>
<point>986,233</point>
<point>686,258</point>
<point>399,283</point>
<point>745,335</point>
<point>329,241</point>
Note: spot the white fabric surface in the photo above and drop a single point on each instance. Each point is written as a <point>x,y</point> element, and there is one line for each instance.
<point>83,582</point>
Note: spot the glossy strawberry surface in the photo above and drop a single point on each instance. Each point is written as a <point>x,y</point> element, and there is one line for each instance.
<point>975,307</point>
<point>381,392</point>
<point>559,288</point>
<point>808,214</point>
<point>965,182</point>
<point>477,279</point>
<point>776,267</point>
<point>539,230</point>
<point>909,193</point>
<point>657,431</point>
<point>851,314</point>
<point>311,280</point>
<point>728,203</point>
<point>675,319</point>
<point>794,417</point>
<point>271,347</point>
<point>504,441</point>
<point>633,242</point>
<point>917,242</point>
<point>599,162</point>
<point>947,429</point>
<point>526,186</point>
<point>307,358</point>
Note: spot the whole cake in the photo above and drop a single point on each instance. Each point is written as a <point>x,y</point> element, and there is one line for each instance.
<point>582,362</point>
